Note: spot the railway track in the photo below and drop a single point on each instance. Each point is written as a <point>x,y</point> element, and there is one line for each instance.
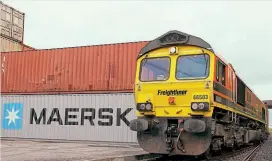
<point>229,155</point>
<point>251,155</point>
<point>223,157</point>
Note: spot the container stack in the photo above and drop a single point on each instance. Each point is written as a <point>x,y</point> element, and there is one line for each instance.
<point>76,93</point>
<point>12,29</point>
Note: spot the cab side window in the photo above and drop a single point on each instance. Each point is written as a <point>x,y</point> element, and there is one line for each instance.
<point>221,75</point>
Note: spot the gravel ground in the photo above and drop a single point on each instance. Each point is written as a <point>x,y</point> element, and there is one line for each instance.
<point>26,150</point>
<point>239,157</point>
<point>265,152</point>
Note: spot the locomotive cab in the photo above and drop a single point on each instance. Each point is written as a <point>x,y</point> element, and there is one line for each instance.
<point>171,82</point>
<point>173,94</point>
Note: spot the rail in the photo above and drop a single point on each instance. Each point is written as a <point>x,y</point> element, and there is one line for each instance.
<point>251,155</point>
<point>152,157</point>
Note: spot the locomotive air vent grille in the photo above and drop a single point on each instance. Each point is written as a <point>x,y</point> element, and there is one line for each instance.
<point>173,38</point>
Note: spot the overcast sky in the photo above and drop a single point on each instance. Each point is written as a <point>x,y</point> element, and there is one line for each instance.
<point>240,31</point>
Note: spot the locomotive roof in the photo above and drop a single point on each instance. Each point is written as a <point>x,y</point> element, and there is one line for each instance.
<point>174,37</point>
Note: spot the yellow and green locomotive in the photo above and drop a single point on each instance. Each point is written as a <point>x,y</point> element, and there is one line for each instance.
<point>190,101</point>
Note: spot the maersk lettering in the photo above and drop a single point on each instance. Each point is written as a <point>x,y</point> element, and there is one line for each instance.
<point>33,115</point>
<point>172,92</point>
<point>109,117</point>
<point>67,110</point>
<point>90,118</point>
<point>54,112</point>
<point>105,116</point>
<point>122,116</point>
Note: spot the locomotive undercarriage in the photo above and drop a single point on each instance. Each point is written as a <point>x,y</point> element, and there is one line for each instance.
<point>197,135</point>
<point>231,131</point>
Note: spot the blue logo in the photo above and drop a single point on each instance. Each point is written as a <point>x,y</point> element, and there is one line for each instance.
<point>12,116</point>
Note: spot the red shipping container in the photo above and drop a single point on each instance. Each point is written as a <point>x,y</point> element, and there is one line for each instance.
<point>99,68</point>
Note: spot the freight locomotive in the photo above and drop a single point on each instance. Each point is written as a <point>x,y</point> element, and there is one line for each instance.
<point>190,101</point>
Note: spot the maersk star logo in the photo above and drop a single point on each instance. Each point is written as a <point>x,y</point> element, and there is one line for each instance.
<point>12,115</point>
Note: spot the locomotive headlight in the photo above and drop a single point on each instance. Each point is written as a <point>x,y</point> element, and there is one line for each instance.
<point>142,107</point>
<point>173,50</point>
<point>200,106</point>
<point>148,107</point>
<point>194,106</point>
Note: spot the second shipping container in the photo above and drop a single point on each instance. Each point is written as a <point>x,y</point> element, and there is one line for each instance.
<point>85,69</point>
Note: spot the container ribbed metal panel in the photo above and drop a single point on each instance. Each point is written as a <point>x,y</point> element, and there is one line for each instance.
<point>82,69</point>
<point>102,130</point>
<point>7,45</point>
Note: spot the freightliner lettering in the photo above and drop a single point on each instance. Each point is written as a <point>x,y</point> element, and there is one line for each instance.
<point>172,92</point>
